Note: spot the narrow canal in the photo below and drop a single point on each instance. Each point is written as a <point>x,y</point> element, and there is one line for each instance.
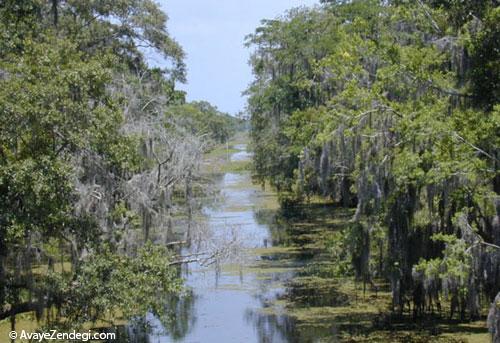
<point>229,303</point>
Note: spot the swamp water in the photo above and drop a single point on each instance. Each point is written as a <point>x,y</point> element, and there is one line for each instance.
<point>282,287</point>
<point>231,303</point>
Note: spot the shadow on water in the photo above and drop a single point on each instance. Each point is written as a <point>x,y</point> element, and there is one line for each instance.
<point>173,327</point>
<point>272,327</point>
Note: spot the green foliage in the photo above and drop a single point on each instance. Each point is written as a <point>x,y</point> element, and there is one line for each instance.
<point>338,249</point>
<point>108,283</point>
<point>485,58</point>
<point>453,269</point>
<point>201,118</point>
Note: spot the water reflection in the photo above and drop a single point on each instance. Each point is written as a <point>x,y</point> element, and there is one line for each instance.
<point>172,327</point>
<point>272,327</point>
<point>228,304</point>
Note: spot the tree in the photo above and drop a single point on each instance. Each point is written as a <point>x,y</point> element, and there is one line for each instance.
<point>88,156</point>
<point>390,108</point>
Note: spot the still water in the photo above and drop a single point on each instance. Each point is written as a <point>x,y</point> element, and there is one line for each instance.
<point>228,304</point>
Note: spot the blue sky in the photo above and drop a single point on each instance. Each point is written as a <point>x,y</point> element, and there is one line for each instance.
<point>212,34</point>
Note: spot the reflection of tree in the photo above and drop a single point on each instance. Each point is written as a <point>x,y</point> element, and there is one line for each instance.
<point>273,327</point>
<point>182,317</point>
<point>290,226</point>
<point>175,323</point>
<point>281,223</point>
<point>131,334</point>
<point>271,219</point>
